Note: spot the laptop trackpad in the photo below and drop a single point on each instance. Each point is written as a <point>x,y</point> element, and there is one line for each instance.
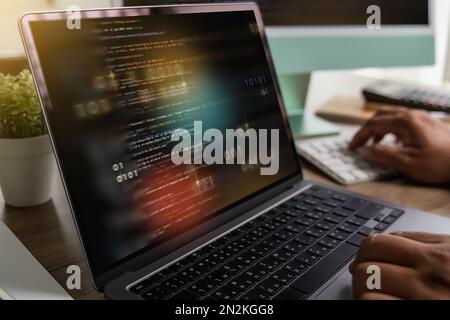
<point>340,289</point>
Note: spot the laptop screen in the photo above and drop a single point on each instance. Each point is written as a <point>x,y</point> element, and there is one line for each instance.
<point>117,92</point>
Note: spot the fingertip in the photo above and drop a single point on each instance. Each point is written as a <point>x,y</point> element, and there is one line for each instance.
<point>354,143</point>
<point>351,266</point>
<point>360,138</point>
<point>351,146</point>
<point>365,152</point>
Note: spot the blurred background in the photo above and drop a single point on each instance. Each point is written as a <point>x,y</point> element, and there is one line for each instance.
<point>10,42</point>
<point>10,11</point>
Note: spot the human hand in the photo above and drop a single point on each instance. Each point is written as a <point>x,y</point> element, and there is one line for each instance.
<point>423,152</point>
<point>413,265</point>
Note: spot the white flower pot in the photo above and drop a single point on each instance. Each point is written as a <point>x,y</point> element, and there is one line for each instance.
<point>27,170</point>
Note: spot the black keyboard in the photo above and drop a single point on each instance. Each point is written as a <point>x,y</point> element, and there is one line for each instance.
<point>285,253</point>
<point>408,96</point>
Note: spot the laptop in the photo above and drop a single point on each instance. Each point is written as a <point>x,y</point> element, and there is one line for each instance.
<point>116,84</point>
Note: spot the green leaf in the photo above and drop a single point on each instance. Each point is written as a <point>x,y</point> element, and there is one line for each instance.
<point>20,112</point>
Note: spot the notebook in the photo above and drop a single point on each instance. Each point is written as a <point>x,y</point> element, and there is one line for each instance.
<point>5,295</point>
<point>22,277</point>
<point>346,109</point>
<point>355,110</point>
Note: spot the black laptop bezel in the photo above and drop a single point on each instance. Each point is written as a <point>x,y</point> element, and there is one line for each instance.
<point>135,262</point>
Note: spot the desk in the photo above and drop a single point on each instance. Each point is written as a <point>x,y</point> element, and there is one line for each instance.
<point>49,233</point>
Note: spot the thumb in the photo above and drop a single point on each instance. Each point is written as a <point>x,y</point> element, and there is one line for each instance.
<point>387,156</point>
<point>422,236</point>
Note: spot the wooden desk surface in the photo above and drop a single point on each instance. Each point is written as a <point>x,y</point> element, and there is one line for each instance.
<point>49,233</point>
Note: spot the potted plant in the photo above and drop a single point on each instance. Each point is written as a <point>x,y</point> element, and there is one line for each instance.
<point>27,164</point>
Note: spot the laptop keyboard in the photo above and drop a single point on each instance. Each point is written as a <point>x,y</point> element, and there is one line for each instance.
<point>284,253</point>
